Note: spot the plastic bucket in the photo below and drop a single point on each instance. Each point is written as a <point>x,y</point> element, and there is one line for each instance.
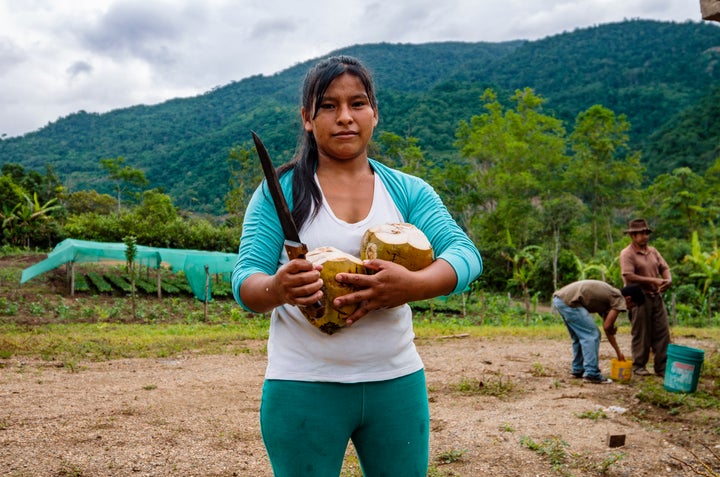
<point>620,370</point>
<point>682,371</point>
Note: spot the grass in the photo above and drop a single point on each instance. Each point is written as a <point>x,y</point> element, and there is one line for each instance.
<point>498,386</point>
<point>592,415</point>
<point>105,341</point>
<point>551,448</point>
<point>448,457</point>
<point>36,323</point>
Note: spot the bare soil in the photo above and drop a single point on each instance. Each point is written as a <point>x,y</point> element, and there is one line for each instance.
<point>198,416</point>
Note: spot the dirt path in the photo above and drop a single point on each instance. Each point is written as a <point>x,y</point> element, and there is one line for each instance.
<point>198,416</point>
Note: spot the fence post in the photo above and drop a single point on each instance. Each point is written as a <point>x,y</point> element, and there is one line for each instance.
<point>71,272</point>
<point>674,309</point>
<point>207,290</point>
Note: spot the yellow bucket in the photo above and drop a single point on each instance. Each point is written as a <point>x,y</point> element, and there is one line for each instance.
<point>620,370</point>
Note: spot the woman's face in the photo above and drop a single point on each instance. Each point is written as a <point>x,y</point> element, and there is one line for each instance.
<point>345,120</point>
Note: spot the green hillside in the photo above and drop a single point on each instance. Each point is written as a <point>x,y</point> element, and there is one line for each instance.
<point>661,75</point>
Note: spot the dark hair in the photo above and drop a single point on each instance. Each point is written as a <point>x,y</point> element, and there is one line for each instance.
<point>635,292</point>
<point>306,193</point>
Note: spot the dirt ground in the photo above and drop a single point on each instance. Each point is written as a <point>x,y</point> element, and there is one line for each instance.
<point>198,416</point>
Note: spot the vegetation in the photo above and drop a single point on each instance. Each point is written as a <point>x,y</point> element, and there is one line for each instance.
<point>38,324</point>
<point>668,95</point>
<point>542,168</point>
<point>552,449</point>
<point>541,157</point>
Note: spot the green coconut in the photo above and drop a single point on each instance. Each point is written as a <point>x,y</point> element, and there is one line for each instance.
<point>400,243</point>
<point>333,261</point>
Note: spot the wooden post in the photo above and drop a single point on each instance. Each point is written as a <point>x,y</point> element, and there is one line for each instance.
<point>207,290</point>
<point>709,306</point>
<point>159,287</point>
<point>673,309</point>
<point>71,268</point>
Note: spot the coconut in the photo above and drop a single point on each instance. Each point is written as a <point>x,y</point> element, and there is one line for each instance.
<point>401,243</point>
<point>333,261</point>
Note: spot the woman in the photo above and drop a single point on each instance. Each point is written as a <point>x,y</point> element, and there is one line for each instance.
<point>366,382</point>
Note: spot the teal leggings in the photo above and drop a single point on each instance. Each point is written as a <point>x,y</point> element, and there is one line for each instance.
<point>306,426</point>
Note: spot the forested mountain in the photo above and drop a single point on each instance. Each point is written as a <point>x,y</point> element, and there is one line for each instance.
<point>665,77</point>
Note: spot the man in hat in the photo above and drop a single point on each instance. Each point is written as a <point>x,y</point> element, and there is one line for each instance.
<point>576,302</point>
<point>641,264</point>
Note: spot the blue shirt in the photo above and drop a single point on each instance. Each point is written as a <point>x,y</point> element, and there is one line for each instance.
<point>261,244</point>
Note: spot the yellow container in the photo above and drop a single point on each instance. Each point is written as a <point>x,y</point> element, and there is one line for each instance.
<point>620,370</point>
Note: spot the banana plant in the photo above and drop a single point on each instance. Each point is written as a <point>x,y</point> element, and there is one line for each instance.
<point>707,264</point>
<point>21,221</point>
<point>523,263</point>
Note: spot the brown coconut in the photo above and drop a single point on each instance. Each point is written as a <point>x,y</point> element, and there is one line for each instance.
<point>401,243</point>
<point>333,261</point>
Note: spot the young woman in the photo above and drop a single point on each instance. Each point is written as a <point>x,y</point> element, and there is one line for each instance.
<point>366,382</point>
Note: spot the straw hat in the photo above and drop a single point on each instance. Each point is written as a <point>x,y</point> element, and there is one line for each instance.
<point>638,225</point>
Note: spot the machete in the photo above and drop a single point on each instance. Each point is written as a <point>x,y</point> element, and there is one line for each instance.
<point>294,247</point>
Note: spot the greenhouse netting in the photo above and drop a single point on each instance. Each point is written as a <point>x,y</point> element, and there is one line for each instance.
<point>195,264</point>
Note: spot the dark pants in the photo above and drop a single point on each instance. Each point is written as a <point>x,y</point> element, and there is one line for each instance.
<point>650,332</point>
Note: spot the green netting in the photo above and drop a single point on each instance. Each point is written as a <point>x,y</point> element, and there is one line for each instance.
<point>191,262</point>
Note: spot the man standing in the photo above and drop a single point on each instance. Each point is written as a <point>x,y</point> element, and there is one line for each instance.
<point>575,303</point>
<point>643,265</point>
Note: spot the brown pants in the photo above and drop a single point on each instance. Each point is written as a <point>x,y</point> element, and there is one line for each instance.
<point>650,331</point>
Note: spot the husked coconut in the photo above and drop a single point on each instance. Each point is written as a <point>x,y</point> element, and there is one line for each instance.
<point>333,261</point>
<point>401,243</point>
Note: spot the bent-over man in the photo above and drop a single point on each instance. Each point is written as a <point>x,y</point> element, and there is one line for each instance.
<point>576,302</point>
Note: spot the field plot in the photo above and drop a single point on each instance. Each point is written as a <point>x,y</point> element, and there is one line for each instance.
<point>501,404</point>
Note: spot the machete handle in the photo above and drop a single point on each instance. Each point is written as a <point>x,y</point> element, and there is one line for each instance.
<point>295,249</point>
<point>299,250</point>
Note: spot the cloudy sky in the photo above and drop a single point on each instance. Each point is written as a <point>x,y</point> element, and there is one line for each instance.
<point>61,56</point>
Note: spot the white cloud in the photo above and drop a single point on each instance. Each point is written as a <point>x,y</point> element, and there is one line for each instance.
<point>60,56</point>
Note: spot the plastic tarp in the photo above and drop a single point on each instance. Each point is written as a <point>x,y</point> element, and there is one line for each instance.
<point>191,262</point>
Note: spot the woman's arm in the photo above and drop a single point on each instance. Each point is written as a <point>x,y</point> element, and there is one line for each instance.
<point>421,206</point>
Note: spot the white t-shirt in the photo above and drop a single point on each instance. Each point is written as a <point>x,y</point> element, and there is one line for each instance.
<point>378,347</point>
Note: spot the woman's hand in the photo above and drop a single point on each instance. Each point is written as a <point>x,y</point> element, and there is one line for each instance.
<point>390,285</point>
<point>393,285</point>
<point>297,282</point>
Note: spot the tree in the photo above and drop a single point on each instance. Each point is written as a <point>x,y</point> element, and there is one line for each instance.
<point>403,153</point>
<point>523,265</point>
<point>28,219</point>
<point>712,183</point>
<point>130,255</point>
<point>245,175</point>
<point>602,172</point>
<point>678,200</point>
<point>150,221</point>
<point>516,157</point>
<point>124,177</point>
<point>84,201</point>
<point>707,268</point>
<point>11,194</point>
<point>560,215</point>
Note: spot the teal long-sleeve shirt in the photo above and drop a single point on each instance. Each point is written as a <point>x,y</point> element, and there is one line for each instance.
<point>261,243</point>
